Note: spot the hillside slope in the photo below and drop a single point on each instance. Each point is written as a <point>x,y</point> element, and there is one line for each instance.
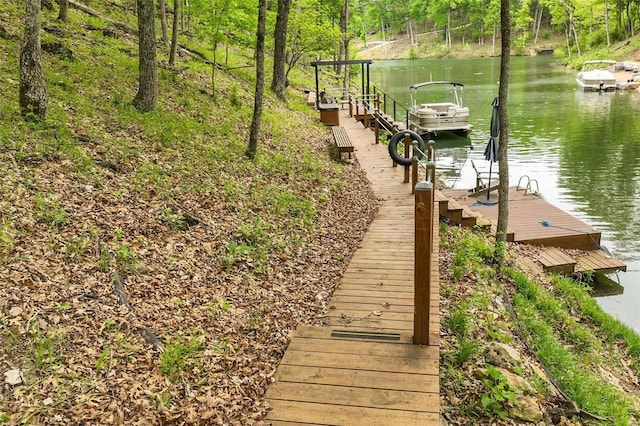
<point>150,274</point>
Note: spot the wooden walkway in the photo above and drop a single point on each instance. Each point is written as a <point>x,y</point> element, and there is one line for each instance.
<point>362,369</point>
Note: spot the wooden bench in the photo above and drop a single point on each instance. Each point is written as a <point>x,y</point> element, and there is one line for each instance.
<point>343,143</point>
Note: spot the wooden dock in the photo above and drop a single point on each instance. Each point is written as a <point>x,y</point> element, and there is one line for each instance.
<point>362,369</point>
<point>534,221</point>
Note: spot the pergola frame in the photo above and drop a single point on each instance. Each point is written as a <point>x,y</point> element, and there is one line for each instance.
<point>364,76</point>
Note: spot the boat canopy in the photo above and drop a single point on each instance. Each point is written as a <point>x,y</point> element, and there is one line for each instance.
<point>426,83</point>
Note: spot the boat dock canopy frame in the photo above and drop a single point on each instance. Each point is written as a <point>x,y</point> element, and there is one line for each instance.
<point>364,63</point>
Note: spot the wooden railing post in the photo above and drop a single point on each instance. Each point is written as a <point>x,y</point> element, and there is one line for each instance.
<point>424,197</point>
<point>407,144</point>
<point>414,174</point>
<point>376,126</point>
<point>431,150</point>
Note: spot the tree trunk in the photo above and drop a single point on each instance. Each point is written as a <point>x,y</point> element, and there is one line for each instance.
<point>606,21</point>
<point>344,30</point>
<point>257,103</point>
<point>344,26</point>
<point>63,13</point>
<point>279,82</point>
<point>147,95</point>
<point>33,89</point>
<point>493,41</point>
<point>163,22</point>
<point>174,34</point>
<point>575,34</point>
<point>503,161</point>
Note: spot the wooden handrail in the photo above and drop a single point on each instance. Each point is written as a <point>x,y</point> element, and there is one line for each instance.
<point>396,105</point>
<point>424,209</point>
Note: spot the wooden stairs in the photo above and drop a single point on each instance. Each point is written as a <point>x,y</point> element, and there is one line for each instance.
<point>463,215</point>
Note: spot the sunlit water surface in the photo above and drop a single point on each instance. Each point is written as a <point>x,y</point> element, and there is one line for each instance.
<point>582,148</point>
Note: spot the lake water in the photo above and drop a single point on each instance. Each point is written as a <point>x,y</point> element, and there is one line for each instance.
<point>582,148</point>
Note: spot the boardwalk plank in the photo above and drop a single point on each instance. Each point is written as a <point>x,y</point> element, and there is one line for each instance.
<point>340,415</point>
<point>361,362</point>
<point>355,396</point>
<point>359,378</point>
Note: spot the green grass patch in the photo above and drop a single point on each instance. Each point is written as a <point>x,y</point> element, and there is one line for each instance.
<point>557,340</point>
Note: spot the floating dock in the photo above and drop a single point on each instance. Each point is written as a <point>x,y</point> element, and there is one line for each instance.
<point>534,221</point>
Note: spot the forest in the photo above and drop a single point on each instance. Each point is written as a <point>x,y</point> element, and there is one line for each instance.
<point>169,212</point>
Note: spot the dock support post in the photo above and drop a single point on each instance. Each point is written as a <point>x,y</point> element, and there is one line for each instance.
<point>424,196</point>
<point>407,144</point>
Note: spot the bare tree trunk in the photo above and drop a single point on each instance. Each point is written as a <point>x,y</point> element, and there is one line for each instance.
<point>575,33</point>
<point>503,161</point>
<point>174,33</point>
<point>257,103</point>
<point>33,89</point>
<point>147,96</point>
<point>536,24</point>
<point>410,33</point>
<point>448,33</point>
<point>163,22</point>
<point>606,21</point>
<point>278,82</point>
<point>493,41</point>
<point>567,40</point>
<point>63,13</point>
<point>344,30</point>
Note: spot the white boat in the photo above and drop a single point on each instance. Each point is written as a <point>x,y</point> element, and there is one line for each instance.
<point>428,119</point>
<point>597,75</point>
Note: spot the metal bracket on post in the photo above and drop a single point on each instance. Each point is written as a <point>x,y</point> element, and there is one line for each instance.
<point>422,268</point>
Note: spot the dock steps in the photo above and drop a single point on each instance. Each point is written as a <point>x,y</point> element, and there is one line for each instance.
<point>555,261</point>
<point>460,214</point>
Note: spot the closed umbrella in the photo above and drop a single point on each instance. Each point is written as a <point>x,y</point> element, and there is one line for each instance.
<point>491,151</point>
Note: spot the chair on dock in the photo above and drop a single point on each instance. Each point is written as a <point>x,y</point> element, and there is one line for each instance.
<point>485,181</point>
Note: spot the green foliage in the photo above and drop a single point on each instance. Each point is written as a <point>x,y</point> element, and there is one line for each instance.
<point>126,258</point>
<point>47,348</point>
<point>103,261</point>
<point>6,239</point>
<point>458,323</point>
<point>74,249</point>
<point>467,348</point>
<point>104,361</point>
<point>177,221</point>
<point>499,395</point>
<point>235,252</point>
<point>471,251</point>
<point>51,212</point>
<point>612,329</point>
<point>568,349</point>
<point>178,355</point>
<point>234,98</point>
